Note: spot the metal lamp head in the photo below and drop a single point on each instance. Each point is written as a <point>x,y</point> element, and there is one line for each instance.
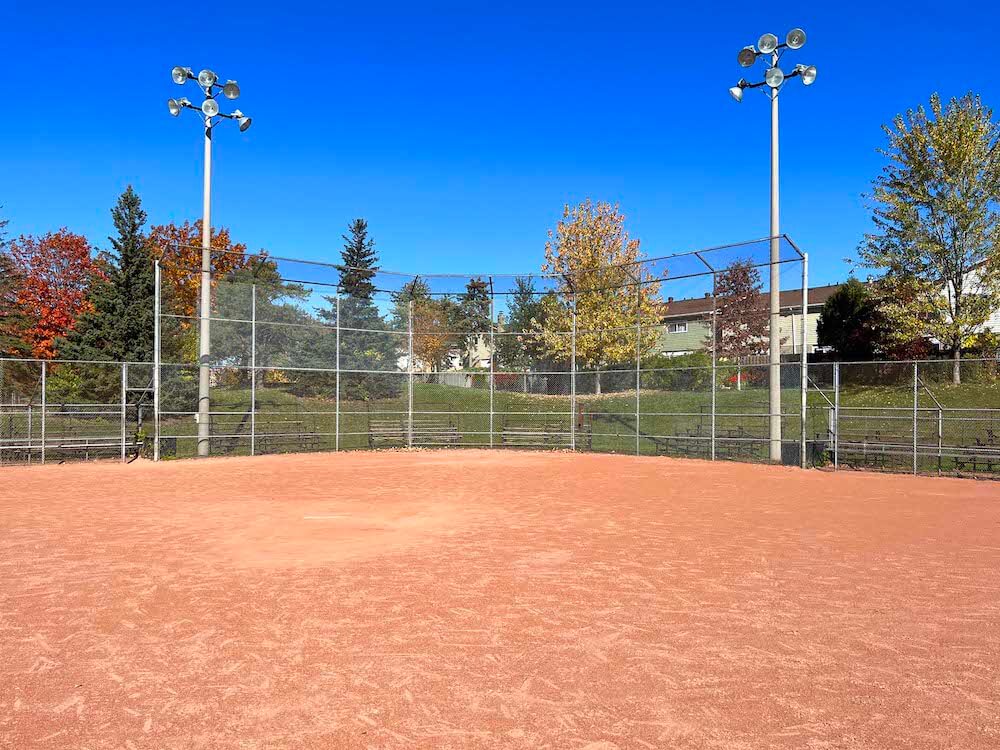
<point>181,75</point>
<point>243,121</point>
<point>206,79</point>
<point>737,91</point>
<point>807,73</point>
<point>210,108</point>
<point>231,90</point>
<point>774,77</point>
<point>747,56</point>
<point>174,106</point>
<point>767,44</point>
<point>795,39</point>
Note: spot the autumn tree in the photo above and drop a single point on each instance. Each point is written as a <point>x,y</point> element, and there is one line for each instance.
<point>935,211</point>
<point>119,325</point>
<point>434,335</point>
<point>597,267</point>
<point>178,247</point>
<point>12,319</point>
<point>55,272</point>
<point>740,324</point>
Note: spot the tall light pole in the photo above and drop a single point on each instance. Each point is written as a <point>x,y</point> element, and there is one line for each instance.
<point>209,109</point>
<point>774,78</point>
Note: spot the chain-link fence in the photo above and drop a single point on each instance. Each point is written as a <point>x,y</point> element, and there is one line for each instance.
<point>302,356</point>
<point>55,410</point>
<point>306,356</point>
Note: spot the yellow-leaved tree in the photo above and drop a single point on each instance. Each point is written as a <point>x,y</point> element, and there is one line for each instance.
<point>598,271</point>
<point>936,216</point>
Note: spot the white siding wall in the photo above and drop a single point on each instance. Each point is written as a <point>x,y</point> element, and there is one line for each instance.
<point>786,326</point>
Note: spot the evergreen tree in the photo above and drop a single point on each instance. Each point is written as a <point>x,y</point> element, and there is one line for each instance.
<point>850,323</point>
<point>414,291</point>
<point>359,259</point>
<point>365,340</point>
<point>517,341</point>
<point>119,325</point>
<point>473,315</point>
<point>136,278</point>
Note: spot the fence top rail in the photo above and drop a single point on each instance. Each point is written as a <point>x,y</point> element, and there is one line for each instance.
<point>697,254</point>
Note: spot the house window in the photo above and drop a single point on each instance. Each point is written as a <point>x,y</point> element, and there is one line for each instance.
<point>677,327</point>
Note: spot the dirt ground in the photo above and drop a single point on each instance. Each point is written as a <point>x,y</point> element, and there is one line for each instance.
<point>495,599</point>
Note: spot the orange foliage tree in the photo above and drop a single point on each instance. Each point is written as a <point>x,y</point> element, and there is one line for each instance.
<point>434,334</point>
<point>56,271</point>
<point>178,247</point>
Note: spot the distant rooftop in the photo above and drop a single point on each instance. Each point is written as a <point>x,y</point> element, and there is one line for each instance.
<point>789,299</point>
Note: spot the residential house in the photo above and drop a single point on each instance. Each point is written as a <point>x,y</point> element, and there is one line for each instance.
<point>686,321</point>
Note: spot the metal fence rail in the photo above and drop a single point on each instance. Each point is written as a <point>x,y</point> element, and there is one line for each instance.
<point>892,416</point>
<point>61,410</point>
<point>296,365</point>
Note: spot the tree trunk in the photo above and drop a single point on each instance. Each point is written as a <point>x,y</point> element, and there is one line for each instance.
<point>597,389</point>
<point>956,366</point>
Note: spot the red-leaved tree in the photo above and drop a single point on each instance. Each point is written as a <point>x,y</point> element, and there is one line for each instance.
<point>55,271</point>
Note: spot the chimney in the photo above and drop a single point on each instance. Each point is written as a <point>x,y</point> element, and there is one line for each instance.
<point>669,300</point>
<point>708,295</point>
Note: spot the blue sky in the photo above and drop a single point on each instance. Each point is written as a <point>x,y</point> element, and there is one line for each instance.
<point>460,129</point>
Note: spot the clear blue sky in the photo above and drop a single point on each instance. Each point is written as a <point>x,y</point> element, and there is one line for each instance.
<point>460,129</point>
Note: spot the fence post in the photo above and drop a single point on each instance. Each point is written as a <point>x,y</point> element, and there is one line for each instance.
<point>638,354</point>
<point>336,423</point>
<point>836,415</point>
<point>409,409</point>
<point>253,369</point>
<point>156,361</point>
<point>572,381</point>
<point>915,397</point>
<point>940,436</point>
<point>715,334</point>
<point>493,356</point>
<point>44,369</point>
<point>804,359</point>
<point>124,404</point>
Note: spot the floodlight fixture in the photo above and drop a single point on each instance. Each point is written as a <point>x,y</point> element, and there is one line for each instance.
<point>807,73</point>
<point>767,44</point>
<point>181,75</point>
<point>795,39</point>
<point>774,77</point>
<point>207,79</point>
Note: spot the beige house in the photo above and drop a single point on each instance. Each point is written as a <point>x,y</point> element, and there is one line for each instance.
<point>686,326</point>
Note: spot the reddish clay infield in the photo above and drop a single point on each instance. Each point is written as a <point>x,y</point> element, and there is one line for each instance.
<point>479,599</point>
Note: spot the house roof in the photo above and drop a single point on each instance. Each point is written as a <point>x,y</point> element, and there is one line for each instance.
<point>790,299</point>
